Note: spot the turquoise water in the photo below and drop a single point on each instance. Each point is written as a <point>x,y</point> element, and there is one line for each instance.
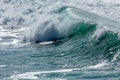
<point>59,40</point>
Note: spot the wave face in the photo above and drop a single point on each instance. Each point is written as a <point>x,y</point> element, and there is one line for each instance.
<point>59,40</point>
<point>53,28</point>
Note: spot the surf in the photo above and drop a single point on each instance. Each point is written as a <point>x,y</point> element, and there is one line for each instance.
<point>68,21</point>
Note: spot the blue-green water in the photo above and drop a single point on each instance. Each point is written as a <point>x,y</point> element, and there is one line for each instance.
<point>59,40</point>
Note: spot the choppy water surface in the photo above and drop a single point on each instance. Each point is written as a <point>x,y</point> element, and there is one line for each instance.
<point>59,40</point>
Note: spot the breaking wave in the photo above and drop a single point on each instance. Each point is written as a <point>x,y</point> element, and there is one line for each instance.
<point>84,40</point>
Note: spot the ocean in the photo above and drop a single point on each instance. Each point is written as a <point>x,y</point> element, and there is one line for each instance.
<point>59,39</point>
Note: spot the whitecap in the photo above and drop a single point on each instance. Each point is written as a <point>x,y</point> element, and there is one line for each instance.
<point>45,43</point>
<point>100,34</point>
<point>32,75</point>
<point>1,66</point>
<point>116,56</point>
<point>97,66</point>
<point>112,1</point>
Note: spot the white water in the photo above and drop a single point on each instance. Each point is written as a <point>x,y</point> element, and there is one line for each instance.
<point>35,16</point>
<point>40,20</point>
<point>32,75</point>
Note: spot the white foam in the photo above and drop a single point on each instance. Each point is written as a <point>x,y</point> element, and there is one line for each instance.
<point>99,65</point>
<point>42,31</point>
<point>1,66</point>
<point>2,33</point>
<point>24,28</point>
<point>112,1</point>
<point>9,37</point>
<point>45,43</point>
<point>100,34</point>
<point>9,33</point>
<point>116,56</point>
<point>32,75</point>
<point>2,29</point>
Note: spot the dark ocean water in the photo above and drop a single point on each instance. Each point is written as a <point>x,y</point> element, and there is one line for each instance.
<point>59,40</point>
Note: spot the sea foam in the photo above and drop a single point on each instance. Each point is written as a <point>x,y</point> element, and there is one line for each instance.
<point>32,75</point>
